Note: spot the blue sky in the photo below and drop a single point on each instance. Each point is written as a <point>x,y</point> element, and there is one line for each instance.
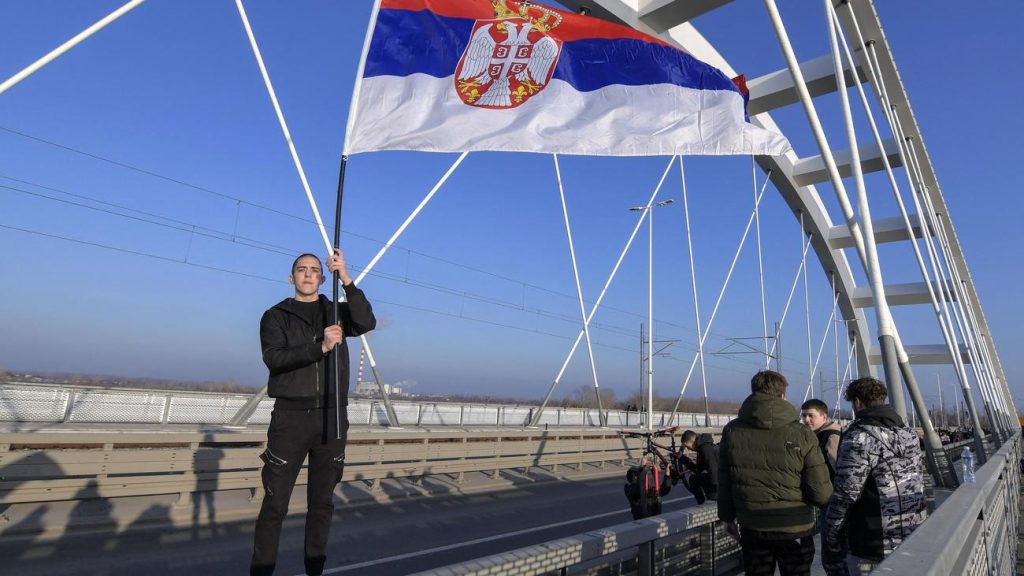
<point>149,208</point>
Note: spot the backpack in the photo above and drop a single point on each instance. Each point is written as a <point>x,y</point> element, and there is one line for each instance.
<point>644,488</point>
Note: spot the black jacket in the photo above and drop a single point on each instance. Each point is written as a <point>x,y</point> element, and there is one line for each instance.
<point>707,464</point>
<point>300,373</point>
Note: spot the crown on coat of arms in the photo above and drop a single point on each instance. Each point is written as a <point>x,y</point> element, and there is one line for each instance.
<point>543,18</point>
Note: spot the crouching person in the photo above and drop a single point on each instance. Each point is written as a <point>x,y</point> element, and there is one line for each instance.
<point>700,476</point>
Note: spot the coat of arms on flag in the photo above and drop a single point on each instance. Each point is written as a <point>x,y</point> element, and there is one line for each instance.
<point>509,58</point>
<point>515,75</point>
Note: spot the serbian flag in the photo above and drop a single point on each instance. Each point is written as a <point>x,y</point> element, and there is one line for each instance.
<point>467,75</point>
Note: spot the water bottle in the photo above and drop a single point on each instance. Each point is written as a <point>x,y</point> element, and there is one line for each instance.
<point>967,461</point>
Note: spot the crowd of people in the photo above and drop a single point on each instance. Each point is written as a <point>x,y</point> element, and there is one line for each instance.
<point>779,476</point>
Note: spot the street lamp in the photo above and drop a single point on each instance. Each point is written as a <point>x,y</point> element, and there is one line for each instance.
<point>650,303</point>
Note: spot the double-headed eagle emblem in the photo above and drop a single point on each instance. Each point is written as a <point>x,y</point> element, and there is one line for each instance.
<point>509,58</point>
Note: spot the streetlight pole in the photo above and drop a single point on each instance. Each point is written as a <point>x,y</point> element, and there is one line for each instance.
<point>650,304</point>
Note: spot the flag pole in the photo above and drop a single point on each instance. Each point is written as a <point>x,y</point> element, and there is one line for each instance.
<point>336,352</point>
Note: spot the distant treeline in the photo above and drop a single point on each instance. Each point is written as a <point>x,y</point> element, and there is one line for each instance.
<point>581,397</point>
<point>228,386</point>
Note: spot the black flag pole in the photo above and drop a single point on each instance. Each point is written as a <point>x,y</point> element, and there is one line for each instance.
<point>337,348</point>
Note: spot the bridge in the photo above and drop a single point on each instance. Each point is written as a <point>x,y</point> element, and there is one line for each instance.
<point>127,471</point>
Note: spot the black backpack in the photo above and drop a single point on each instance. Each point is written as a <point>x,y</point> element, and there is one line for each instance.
<point>645,485</point>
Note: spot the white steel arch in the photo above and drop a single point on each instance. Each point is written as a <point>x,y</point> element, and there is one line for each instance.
<point>795,178</point>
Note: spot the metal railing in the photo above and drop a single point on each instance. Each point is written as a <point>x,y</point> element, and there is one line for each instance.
<point>689,541</point>
<point>54,466</point>
<point>692,542</point>
<point>28,402</point>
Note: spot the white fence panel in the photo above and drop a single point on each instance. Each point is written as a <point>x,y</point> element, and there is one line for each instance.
<point>33,405</point>
<point>441,414</point>
<point>203,409</point>
<point>118,407</point>
<point>262,414</point>
<point>480,415</point>
<point>515,416</point>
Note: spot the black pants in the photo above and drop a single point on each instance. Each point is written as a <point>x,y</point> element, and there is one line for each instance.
<point>762,551</point>
<point>294,435</point>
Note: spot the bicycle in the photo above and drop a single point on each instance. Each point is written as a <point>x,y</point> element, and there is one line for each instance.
<point>645,482</point>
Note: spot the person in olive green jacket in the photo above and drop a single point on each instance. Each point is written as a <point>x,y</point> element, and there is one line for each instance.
<point>771,477</point>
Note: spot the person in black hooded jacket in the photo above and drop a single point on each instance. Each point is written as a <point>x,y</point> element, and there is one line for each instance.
<point>298,336</point>
<point>702,476</point>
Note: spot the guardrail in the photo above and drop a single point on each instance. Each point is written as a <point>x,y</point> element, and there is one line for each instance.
<point>46,466</point>
<point>29,402</point>
<point>693,542</point>
<point>689,541</point>
<point>975,530</point>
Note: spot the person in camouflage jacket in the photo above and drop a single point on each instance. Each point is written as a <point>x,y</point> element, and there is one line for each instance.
<point>878,497</point>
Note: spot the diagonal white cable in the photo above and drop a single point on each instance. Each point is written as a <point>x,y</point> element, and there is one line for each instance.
<point>835,326</point>
<point>789,299</point>
<point>926,274</point>
<point>821,347</point>
<point>760,264</point>
<point>579,289</point>
<point>847,373</point>
<point>60,50</point>
<point>604,290</point>
<point>721,293</point>
<point>298,166</point>
<point>926,219</point>
<point>807,304</point>
<point>693,285</point>
<point>909,158</point>
<point>284,126</point>
<point>391,241</point>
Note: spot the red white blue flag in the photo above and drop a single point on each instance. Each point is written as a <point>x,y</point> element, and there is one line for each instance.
<point>466,75</point>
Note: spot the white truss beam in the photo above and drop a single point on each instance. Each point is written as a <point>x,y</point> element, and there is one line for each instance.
<point>886,230</point>
<point>812,170</point>
<point>898,295</point>
<point>662,15</point>
<point>776,89</point>
<point>922,354</point>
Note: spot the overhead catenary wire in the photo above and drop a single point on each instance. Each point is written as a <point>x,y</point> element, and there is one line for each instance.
<point>226,236</point>
<point>292,252</point>
<point>223,236</point>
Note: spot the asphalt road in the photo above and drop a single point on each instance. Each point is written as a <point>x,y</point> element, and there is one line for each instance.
<point>387,539</point>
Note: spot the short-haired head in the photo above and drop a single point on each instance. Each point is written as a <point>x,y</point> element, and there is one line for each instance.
<point>306,255</point>
<point>814,414</point>
<point>688,437</point>
<point>769,382</point>
<point>870,391</point>
<point>815,404</point>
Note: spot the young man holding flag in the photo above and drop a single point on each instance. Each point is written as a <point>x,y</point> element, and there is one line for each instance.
<point>298,336</point>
